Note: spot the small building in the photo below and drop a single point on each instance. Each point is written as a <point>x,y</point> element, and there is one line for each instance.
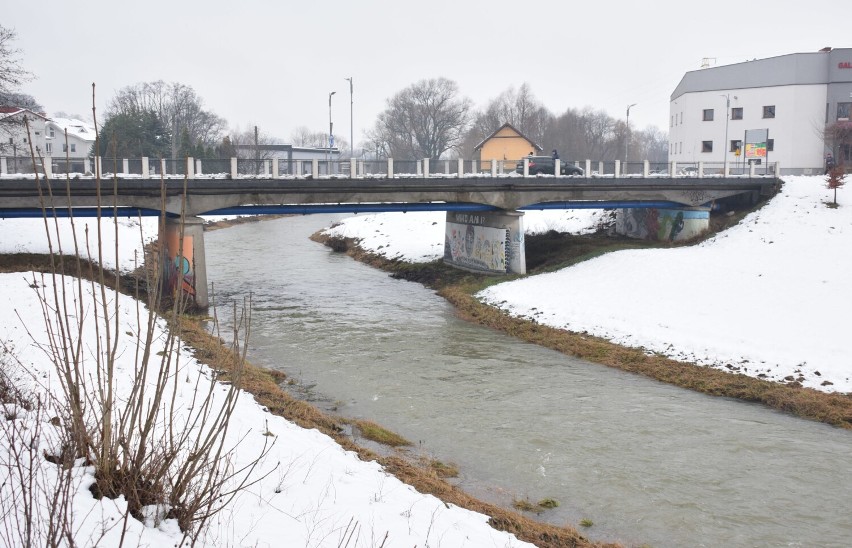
<point>507,146</point>
<point>803,101</point>
<point>16,140</point>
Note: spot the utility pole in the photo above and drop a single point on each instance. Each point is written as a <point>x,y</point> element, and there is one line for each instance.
<point>627,141</point>
<point>351,125</point>
<point>330,133</point>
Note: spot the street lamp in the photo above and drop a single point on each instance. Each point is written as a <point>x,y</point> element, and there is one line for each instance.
<point>330,133</point>
<point>627,141</point>
<point>727,118</point>
<point>351,131</point>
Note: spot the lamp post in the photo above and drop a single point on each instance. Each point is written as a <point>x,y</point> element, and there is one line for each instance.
<point>351,131</point>
<point>330,133</point>
<point>627,141</point>
<point>727,118</point>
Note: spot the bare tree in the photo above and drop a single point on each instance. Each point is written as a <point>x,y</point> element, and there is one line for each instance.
<point>424,120</point>
<point>12,74</point>
<point>304,137</point>
<point>517,107</point>
<point>179,109</point>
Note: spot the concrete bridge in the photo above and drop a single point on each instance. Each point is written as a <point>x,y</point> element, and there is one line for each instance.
<point>482,208</point>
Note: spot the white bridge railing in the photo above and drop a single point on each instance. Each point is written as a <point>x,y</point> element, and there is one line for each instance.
<point>283,168</point>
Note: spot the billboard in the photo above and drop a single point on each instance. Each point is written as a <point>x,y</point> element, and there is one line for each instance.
<point>755,143</point>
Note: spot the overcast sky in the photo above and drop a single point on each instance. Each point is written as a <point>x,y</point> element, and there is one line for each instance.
<point>274,63</point>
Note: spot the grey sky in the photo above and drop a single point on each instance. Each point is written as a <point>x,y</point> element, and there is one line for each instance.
<point>274,63</point>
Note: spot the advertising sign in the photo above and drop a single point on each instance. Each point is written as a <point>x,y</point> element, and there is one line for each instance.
<point>755,143</point>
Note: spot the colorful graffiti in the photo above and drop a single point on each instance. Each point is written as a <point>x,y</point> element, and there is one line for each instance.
<point>473,247</point>
<point>661,224</point>
<point>178,272</point>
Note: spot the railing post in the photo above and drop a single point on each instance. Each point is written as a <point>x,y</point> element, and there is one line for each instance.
<point>493,168</point>
<point>777,171</point>
<point>163,166</point>
<point>198,167</point>
<point>48,168</point>
<point>99,165</point>
<point>600,168</point>
<point>146,170</point>
<point>646,167</point>
<point>125,166</point>
<point>190,168</point>
<point>446,167</point>
<point>700,170</point>
<point>234,170</point>
<point>87,165</point>
<point>425,168</point>
<point>751,169</point>
<point>461,168</point>
<point>3,169</point>
<point>275,170</point>
<point>315,168</point>
<point>617,169</point>
<point>727,170</point>
<point>361,168</point>
<point>673,167</point>
<point>557,167</point>
<point>390,168</point>
<point>353,168</point>
<point>588,170</point>
<point>299,168</point>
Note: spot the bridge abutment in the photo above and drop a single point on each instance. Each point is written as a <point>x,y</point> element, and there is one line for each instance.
<point>184,264</point>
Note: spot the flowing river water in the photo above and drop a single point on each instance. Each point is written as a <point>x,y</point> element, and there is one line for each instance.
<point>646,462</point>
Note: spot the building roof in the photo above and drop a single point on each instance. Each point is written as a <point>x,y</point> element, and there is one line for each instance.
<point>822,67</point>
<point>10,112</point>
<point>77,128</point>
<point>513,128</point>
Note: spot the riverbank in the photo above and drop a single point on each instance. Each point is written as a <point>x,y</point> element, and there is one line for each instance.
<point>552,251</point>
<point>426,476</point>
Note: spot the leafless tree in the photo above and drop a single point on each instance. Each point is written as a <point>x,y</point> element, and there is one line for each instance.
<point>425,120</point>
<point>517,107</point>
<point>179,109</point>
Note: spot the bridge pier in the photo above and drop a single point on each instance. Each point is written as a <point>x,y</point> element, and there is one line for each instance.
<point>184,259</point>
<point>486,241</point>
<point>666,225</point>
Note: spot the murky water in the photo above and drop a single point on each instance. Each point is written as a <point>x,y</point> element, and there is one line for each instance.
<point>645,462</point>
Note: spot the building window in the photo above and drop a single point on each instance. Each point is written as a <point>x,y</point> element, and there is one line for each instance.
<point>770,145</point>
<point>737,113</point>
<point>706,146</point>
<point>47,148</point>
<point>73,147</point>
<point>736,145</point>
<point>708,114</point>
<point>843,110</point>
<point>52,133</point>
<point>769,111</point>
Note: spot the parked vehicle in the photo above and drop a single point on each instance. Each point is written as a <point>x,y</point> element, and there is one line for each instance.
<point>544,164</point>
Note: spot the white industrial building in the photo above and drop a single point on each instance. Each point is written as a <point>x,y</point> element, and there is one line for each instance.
<point>804,100</point>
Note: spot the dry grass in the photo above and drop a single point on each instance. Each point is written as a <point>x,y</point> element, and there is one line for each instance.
<point>375,432</point>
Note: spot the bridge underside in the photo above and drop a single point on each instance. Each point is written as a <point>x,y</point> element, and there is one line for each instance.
<point>484,215</point>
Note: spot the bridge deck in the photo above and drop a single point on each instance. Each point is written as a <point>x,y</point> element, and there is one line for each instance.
<point>204,195</point>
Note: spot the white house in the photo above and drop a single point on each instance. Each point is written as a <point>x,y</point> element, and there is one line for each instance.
<point>48,139</point>
<point>803,100</point>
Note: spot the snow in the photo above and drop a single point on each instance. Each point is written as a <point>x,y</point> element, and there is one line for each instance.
<point>766,296</point>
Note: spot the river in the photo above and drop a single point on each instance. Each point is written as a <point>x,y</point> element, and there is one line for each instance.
<point>646,462</point>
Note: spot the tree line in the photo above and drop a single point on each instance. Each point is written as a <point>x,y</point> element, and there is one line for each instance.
<point>428,119</point>
<point>431,119</point>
